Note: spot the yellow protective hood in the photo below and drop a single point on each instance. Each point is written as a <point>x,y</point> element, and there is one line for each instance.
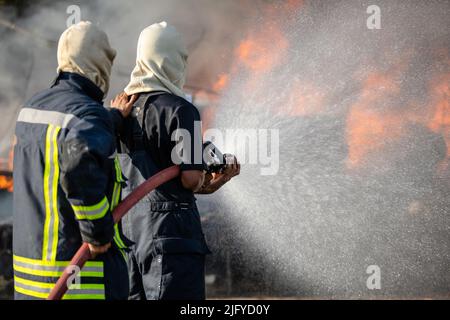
<point>84,49</point>
<point>161,61</point>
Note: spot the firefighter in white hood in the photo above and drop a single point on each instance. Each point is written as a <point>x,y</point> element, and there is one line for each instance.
<point>167,260</point>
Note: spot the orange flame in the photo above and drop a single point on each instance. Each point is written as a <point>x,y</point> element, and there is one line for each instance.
<point>6,183</point>
<point>369,127</point>
<point>440,121</point>
<point>440,110</point>
<point>368,131</point>
<point>221,83</point>
<point>261,53</point>
<point>370,124</point>
<point>264,48</point>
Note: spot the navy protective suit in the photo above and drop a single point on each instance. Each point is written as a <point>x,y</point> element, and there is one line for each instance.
<point>66,183</point>
<point>167,260</point>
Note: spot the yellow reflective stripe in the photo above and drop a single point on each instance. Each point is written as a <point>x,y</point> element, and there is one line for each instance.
<point>51,177</point>
<point>31,293</point>
<point>119,177</point>
<point>42,273</point>
<point>93,207</point>
<point>117,198</point>
<point>115,201</point>
<point>93,212</point>
<point>43,285</point>
<point>123,255</point>
<point>117,238</point>
<point>66,296</point>
<point>54,268</point>
<point>84,297</point>
<point>54,263</point>
<point>116,195</point>
<point>117,185</point>
<point>55,195</point>
<point>46,192</point>
<point>42,289</point>
<point>46,285</point>
<point>50,273</point>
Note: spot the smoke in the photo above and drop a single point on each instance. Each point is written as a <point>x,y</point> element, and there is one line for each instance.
<point>28,52</point>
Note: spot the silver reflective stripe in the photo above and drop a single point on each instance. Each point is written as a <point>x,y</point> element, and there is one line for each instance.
<point>59,119</point>
<point>113,156</point>
<point>54,268</point>
<point>86,291</point>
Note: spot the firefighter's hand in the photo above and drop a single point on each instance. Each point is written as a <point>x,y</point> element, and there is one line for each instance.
<point>124,103</point>
<point>217,180</point>
<point>232,169</point>
<point>96,250</point>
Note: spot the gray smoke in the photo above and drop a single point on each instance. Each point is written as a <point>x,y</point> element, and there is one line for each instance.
<point>28,53</point>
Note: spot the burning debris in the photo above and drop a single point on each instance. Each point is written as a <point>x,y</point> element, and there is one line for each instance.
<point>6,176</point>
<point>6,181</point>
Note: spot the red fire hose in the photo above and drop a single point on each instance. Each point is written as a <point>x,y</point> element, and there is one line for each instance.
<point>83,254</point>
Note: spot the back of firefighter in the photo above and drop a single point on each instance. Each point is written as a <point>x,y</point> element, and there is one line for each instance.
<point>168,259</point>
<point>67,180</point>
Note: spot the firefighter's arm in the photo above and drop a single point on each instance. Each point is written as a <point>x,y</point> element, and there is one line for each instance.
<point>186,120</point>
<point>86,152</point>
<point>192,179</point>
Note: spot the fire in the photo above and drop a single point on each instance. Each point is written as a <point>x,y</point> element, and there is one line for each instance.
<point>265,48</point>
<point>440,120</point>
<point>6,179</point>
<point>263,52</point>
<point>6,183</point>
<point>260,51</point>
<point>221,83</point>
<point>369,124</point>
<point>374,121</point>
<point>368,131</point>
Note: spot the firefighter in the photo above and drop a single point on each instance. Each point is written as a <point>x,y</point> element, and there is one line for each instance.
<point>66,177</point>
<point>168,258</point>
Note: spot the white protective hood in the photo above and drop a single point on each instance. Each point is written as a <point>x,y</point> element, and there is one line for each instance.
<point>161,61</point>
<point>84,49</point>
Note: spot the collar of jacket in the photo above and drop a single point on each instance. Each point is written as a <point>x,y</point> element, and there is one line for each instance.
<point>81,83</point>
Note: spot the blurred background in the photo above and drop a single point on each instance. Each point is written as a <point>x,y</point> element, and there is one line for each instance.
<point>364,122</point>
